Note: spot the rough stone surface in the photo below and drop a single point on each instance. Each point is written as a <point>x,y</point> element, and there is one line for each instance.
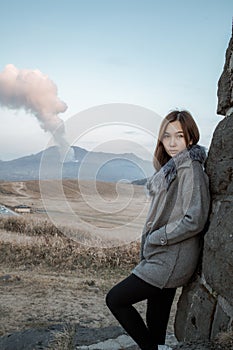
<point>198,345</point>
<point>196,301</point>
<point>31,339</point>
<point>43,338</point>
<point>86,336</point>
<point>218,248</point>
<point>219,165</point>
<point>220,321</point>
<point>79,338</point>
<point>205,308</point>
<point>225,83</point>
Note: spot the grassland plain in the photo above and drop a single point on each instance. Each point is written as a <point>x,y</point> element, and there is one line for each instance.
<point>51,274</point>
<point>46,276</point>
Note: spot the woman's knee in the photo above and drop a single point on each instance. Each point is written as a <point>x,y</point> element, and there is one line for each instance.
<point>120,294</point>
<point>110,299</point>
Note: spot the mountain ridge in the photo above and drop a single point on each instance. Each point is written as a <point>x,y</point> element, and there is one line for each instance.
<point>101,166</point>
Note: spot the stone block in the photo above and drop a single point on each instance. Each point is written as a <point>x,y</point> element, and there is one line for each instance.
<point>195,310</point>
<point>219,165</point>
<point>221,321</point>
<point>218,248</point>
<point>225,83</point>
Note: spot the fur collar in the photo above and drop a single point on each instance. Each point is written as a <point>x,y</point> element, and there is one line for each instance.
<point>164,177</point>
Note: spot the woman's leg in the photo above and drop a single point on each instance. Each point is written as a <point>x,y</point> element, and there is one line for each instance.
<point>120,300</point>
<point>158,311</point>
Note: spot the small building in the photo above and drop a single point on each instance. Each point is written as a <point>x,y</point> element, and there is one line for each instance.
<point>22,208</point>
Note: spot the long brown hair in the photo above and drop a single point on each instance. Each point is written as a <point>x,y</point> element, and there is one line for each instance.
<point>190,130</point>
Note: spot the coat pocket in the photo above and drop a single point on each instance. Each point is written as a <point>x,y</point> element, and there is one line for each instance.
<point>154,252</point>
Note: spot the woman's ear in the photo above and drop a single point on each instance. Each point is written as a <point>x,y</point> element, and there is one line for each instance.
<point>190,142</point>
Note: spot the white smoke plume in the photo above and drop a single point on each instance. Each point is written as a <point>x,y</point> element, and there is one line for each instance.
<point>36,94</point>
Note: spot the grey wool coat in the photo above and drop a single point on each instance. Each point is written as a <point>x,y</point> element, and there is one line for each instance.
<point>171,237</point>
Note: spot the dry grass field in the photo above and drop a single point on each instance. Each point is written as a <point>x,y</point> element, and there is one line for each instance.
<point>57,263</point>
<point>52,271</point>
<point>106,211</point>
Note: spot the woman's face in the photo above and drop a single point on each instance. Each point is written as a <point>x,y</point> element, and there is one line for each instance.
<point>173,139</point>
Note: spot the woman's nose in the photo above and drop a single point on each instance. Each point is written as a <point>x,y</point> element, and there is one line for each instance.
<point>172,141</point>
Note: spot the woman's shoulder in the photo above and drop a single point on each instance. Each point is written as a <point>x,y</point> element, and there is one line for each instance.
<point>193,171</point>
<point>190,165</point>
<point>193,158</point>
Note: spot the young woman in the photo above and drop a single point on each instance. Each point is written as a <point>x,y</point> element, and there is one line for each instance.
<point>171,237</point>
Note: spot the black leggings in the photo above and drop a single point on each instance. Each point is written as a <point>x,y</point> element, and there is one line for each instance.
<point>159,301</point>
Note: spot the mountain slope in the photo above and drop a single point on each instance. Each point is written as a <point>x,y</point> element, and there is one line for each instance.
<point>86,165</point>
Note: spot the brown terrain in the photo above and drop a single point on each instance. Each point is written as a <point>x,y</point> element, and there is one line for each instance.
<point>57,266</point>
<point>58,262</point>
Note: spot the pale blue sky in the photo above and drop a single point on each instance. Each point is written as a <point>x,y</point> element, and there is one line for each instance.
<point>158,54</point>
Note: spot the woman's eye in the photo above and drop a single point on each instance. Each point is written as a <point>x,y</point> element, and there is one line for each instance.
<point>180,136</point>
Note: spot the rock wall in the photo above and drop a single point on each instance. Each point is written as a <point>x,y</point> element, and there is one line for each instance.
<point>205,307</point>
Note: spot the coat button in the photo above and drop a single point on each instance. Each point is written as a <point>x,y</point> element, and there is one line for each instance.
<point>163,241</point>
<point>149,224</point>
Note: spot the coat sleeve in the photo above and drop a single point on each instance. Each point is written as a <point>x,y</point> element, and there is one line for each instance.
<point>191,210</point>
